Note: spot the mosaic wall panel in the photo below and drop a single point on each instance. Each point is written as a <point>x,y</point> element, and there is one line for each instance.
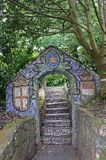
<point>87,86</point>
<point>52,59</point>
<point>21,92</point>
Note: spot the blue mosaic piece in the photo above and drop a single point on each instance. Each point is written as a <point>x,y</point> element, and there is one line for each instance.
<point>52,59</point>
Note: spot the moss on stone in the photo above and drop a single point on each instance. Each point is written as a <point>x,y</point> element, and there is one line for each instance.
<point>9,125</point>
<point>102,154</point>
<point>15,141</point>
<point>15,122</point>
<point>40,101</point>
<point>98,122</point>
<point>5,135</point>
<point>23,120</point>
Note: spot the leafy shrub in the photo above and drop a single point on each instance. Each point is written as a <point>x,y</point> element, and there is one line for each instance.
<point>55,80</point>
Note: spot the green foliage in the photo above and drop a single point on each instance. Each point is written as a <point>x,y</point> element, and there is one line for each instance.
<point>102,154</point>
<point>24,33</point>
<point>66,42</point>
<point>55,80</point>
<point>16,46</point>
<point>13,58</point>
<point>85,58</point>
<point>103,97</point>
<point>7,71</point>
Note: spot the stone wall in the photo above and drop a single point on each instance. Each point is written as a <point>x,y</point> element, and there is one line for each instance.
<point>91,136</point>
<point>18,141</point>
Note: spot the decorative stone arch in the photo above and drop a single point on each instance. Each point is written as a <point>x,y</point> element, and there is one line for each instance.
<point>22,91</point>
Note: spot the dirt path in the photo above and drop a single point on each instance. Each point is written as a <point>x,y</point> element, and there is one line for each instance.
<point>56,152</point>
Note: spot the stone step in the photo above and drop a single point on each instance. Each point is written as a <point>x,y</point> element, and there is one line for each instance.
<point>56,110</point>
<point>52,100</point>
<point>57,122</point>
<point>56,140</point>
<point>57,105</point>
<point>55,90</point>
<point>56,131</point>
<point>55,93</point>
<point>51,96</point>
<point>57,116</point>
<point>59,91</point>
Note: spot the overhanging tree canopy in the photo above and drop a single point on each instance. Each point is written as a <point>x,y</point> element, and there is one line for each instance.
<point>85,18</point>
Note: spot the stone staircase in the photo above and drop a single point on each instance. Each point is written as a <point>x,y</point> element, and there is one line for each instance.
<point>56,127</point>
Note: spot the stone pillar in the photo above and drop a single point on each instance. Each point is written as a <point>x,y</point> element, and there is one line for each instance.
<point>36,116</point>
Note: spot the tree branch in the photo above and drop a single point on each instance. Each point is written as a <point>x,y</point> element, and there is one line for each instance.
<point>35,12</point>
<point>101,9</point>
<point>98,17</point>
<point>49,33</point>
<point>85,44</point>
<point>89,26</point>
<point>76,23</point>
<point>58,6</point>
<point>53,9</point>
<point>78,32</point>
<point>82,4</point>
<point>104,10</point>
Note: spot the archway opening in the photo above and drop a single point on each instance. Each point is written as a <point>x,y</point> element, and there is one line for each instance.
<point>55,109</point>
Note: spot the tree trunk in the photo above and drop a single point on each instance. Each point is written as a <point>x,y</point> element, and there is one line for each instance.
<point>102,60</point>
<point>102,71</point>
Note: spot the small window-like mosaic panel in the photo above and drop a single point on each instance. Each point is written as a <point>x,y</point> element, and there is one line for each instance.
<point>52,59</point>
<point>86,76</point>
<point>21,93</point>
<point>87,84</point>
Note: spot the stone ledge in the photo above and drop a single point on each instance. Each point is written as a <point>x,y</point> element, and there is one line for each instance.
<point>91,135</point>
<point>5,136</point>
<point>87,112</point>
<point>18,140</point>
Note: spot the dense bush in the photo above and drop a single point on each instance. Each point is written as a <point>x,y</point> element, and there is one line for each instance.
<point>55,80</point>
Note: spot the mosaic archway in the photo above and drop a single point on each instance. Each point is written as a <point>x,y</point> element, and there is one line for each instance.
<point>22,91</point>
